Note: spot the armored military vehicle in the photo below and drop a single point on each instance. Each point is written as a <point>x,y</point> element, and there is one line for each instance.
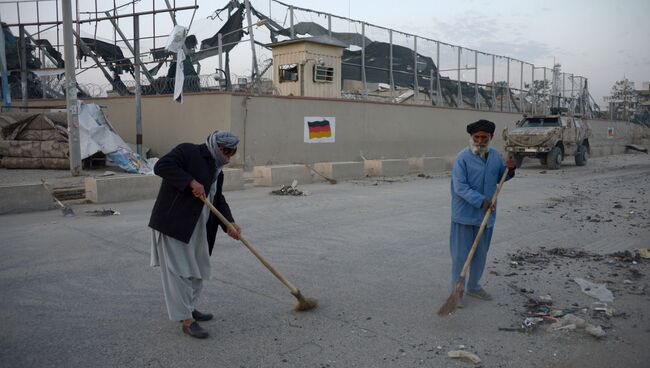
<point>550,138</point>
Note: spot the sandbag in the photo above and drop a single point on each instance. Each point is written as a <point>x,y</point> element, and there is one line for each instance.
<point>51,149</point>
<point>35,163</point>
<point>40,135</point>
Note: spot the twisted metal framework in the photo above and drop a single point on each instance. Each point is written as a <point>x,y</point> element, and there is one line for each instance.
<point>378,64</point>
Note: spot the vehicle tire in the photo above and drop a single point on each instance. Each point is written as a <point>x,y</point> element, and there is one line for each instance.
<point>520,160</point>
<point>554,159</point>
<point>542,160</point>
<point>581,155</point>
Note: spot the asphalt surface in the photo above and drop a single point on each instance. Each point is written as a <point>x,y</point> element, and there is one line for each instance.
<point>79,292</point>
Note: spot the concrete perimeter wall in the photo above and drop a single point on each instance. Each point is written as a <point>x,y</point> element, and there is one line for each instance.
<point>272,127</point>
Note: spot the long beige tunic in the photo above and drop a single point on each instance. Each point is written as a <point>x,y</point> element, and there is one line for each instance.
<point>189,260</point>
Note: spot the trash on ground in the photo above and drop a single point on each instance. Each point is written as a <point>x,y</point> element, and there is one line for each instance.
<point>530,322</point>
<point>103,212</point>
<point>545,300</point>
<point>603,307</point>
<point>595,331</point>
<point>286,190</point>
<point>465,355</point>
<point>598,291</point>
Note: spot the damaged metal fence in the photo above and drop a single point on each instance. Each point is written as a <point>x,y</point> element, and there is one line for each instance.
<point>378,63</point>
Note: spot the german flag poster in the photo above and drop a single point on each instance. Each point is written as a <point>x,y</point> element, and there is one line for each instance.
<point>320,129</point>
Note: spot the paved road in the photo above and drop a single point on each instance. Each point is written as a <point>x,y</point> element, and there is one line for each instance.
<point>78,292</point>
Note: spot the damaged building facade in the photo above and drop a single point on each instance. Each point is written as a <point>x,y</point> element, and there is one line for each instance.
<point>246,63</point>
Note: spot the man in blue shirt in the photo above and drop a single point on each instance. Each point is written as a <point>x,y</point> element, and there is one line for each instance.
<point>474,178</point>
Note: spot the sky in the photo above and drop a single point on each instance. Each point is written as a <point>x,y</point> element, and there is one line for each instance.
<point>604,41</point>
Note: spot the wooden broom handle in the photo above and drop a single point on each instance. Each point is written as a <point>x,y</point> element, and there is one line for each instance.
<point>486,218</point>
<point>250,247</point>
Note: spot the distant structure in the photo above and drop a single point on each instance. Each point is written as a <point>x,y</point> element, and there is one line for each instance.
<point>308,67</point>
<point>329,56</point>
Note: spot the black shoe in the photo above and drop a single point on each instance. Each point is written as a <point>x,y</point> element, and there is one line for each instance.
<point>201,317</point>
<point>195,330</point>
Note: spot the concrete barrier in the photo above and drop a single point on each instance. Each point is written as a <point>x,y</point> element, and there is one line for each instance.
<point>428,165</point>
<point>276,175</point>
<point>338,170</point>
<point>24,198</point>
<point>122,188</point>
<point>395,167</point>
<point>233,179</point>
<point>137,187</point>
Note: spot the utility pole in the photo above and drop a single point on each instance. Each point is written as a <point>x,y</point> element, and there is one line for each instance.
<point>71,91</point>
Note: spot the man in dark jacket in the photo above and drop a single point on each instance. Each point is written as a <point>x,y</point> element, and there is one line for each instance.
<point>184,229</point>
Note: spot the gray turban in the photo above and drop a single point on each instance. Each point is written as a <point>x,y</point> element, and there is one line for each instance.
<point>218,139</point>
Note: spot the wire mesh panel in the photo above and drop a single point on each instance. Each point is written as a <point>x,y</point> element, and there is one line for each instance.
<point>228,48</point>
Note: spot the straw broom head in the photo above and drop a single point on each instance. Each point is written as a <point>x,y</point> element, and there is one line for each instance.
<point>452,301</point>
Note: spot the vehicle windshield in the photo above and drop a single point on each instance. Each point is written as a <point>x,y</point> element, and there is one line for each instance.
<point>540,122</point>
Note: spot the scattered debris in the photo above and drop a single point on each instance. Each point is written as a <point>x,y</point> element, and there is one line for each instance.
<point>465,355</point>
<point>545,300</point>
<point>627,256</point>
<point>103,212</point>
<point>530,322</point>
<point>571,322</point>
<point>595,331</point>
<point>644,253</point>
<point>599,307</point>
<point>291,190</point>
<point>598,291</point>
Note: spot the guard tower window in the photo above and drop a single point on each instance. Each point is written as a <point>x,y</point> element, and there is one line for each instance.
<point>323,74</point>
<point>288,73</point>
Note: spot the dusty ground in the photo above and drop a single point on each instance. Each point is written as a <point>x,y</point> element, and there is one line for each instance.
<point>78,292</point>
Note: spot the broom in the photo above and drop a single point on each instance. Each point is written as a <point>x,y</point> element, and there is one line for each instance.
<point>304,304</point>
<point>452,301</point>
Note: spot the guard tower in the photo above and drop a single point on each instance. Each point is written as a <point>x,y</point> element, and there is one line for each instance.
<point>308,67</point>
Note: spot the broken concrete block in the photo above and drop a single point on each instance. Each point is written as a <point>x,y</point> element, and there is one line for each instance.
<point>338,170</point>
<point>277,175</point>
<point>465,355</point>
<point>397,167</point>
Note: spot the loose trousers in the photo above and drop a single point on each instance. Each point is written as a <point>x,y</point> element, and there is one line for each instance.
<point>181,293</point>
<point>461,238</point>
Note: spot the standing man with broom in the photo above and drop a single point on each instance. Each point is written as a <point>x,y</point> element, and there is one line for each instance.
<point>184,229</point>
<point>474,178</point>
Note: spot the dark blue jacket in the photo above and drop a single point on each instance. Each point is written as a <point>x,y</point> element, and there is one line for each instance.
<point>177,210</point>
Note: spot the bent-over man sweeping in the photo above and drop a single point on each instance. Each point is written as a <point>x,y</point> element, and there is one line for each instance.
<point>474,178</point>
<point>184,229</point>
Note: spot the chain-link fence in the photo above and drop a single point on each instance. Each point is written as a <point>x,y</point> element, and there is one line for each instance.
<point>392,66</point>
<point>378,63</point>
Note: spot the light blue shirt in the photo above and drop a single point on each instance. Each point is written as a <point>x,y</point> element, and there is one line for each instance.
<point>474,180</point>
